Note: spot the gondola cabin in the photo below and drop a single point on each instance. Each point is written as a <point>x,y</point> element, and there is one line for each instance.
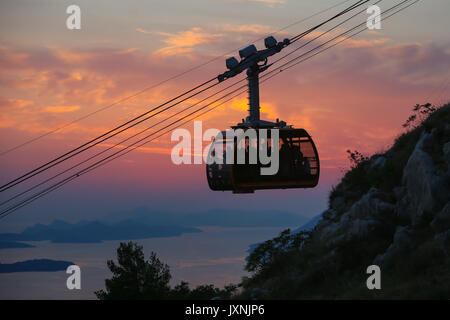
<point>298,163</point>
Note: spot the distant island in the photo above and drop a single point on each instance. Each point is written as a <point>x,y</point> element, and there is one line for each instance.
<point>14,244</point>
<point>227,218</point>
<point>36,265</point>
<point>143,223</point>
<point>93,232</point>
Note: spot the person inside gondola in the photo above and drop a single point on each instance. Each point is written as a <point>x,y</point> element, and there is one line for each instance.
<point>286,160</point>
<point>298,159</point>
<point>307,166</point>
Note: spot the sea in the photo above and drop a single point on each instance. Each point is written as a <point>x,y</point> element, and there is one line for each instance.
<point>214,256</point>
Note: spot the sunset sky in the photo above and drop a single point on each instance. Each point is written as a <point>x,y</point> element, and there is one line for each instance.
<point>353,96</point>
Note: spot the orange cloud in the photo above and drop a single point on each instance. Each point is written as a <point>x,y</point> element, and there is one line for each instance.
<point>144,148</point>
<point>60,109</point>
<point>240,104</point>
<point>15,103</point>
<point>247,28</point>
<point>68,55</point>
<point>10,59</point>
<point>144,31</point>
<point>6,122</point>
<point>269,111</point>
<point>184,41</point>
<point>360,43</point>
<point>375,40</point>
<point>270,3</point>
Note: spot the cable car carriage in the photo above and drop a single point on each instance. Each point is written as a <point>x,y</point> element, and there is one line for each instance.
<point>244,160</point>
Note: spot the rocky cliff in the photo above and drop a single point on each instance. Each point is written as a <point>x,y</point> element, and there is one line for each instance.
<point>390,210</point>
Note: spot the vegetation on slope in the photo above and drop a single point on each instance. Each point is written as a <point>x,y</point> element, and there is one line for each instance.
<point>368,222</point>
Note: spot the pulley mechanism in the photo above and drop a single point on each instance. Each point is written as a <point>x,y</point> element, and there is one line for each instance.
<point>255,62</point>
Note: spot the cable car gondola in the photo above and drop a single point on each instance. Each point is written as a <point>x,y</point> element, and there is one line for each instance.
<point>299,165</point>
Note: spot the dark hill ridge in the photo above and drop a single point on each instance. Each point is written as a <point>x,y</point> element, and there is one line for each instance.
<point>36,265</point>
<point>94,231</point>
<point>392,210</point>
<point>214,217</point>
<point>14,245</point>
<point>141,223</point>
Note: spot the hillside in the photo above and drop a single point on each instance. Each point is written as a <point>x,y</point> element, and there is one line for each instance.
<point>391,209</point>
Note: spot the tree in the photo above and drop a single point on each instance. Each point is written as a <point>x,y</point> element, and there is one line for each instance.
<point>181,291</point>
<point>420,113</point>
<point>356,158</point>
<point>266,254</point>
<point>135,278</point>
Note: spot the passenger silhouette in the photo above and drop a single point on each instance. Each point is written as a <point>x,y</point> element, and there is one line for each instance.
<point>285,160</point>
<point>298,159</point>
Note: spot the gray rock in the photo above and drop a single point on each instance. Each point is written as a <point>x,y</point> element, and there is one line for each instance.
<point>446,150</point>
<point>441,221</point>
<point>425,189</point>
<point>326,229</point>
<point>443,240</point>
<point>348,231</point>
<point>359,222</point>
<point>402,237</point>
<point>399,192</point>
<point>402,243</point>
<point>447,130</point>
<point>361,228</point>
<point>403,210</point>
<point>371,206</point>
